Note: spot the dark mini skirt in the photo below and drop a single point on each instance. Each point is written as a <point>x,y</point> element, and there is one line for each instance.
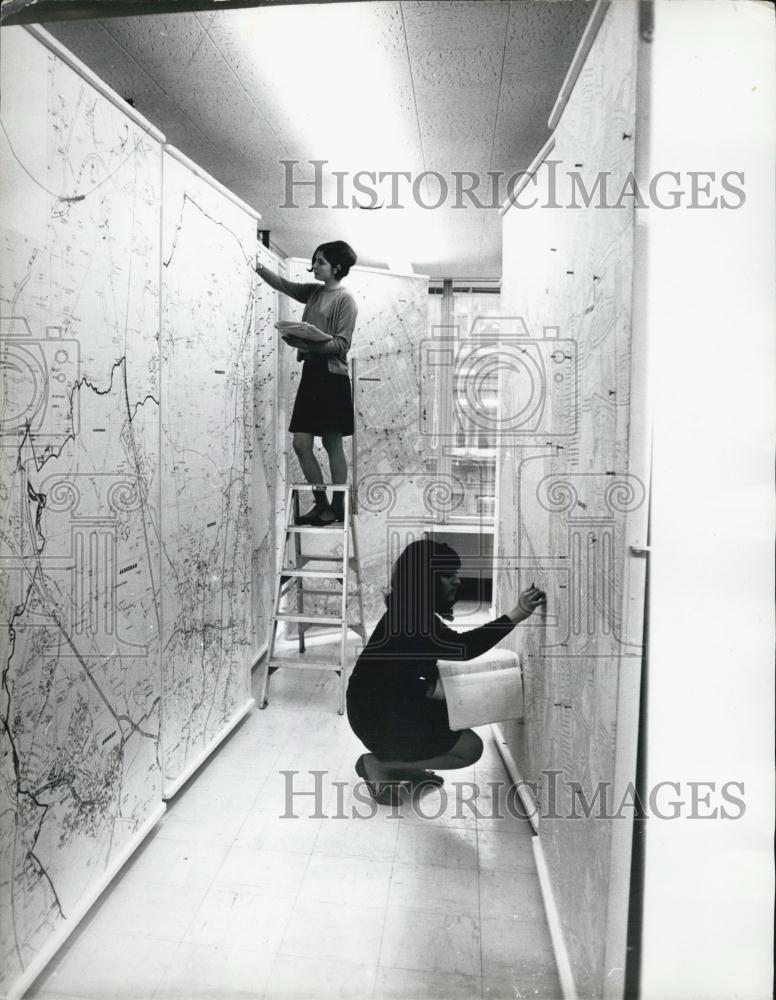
<point>324,401</point>
<point>404,729</point>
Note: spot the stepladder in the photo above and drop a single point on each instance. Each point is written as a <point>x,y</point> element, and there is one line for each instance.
<point>313,591</point>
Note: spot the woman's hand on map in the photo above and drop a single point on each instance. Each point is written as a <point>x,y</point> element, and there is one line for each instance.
<point>530,599</point>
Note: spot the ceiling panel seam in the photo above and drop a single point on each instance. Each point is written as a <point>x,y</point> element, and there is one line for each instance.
<point>155,83</point>
<point>495,128</point>
<point>414,96</point>
<point>198,46</point>
<point>250,100</point>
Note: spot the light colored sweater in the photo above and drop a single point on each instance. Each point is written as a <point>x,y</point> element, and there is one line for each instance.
<point>334,312</point>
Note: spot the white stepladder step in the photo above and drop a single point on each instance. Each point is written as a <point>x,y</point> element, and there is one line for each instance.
<point>292,578</point>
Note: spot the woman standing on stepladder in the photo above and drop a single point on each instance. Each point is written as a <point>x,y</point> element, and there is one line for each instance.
<point>324,399</point>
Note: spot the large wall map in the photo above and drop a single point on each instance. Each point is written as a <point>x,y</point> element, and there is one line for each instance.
<point>566,490</point>
<point>79,493</point>
<point>208,359</point>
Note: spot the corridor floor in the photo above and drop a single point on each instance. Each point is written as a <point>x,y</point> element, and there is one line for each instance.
<point>227,899</point>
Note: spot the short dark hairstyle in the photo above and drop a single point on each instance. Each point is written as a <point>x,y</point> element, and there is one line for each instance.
<point>339,254</point>
<point>414,594</point>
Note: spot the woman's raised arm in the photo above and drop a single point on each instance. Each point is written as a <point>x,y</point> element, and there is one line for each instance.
<point>296,290</point>
<point>451,645</point>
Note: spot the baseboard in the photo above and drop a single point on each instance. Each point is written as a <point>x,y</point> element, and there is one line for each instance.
<point>518,779</point>
<point>175,785</point>
<point>58,939</point>
<point>259,656</point>
<point>531,807</point>
<point>562,960</point>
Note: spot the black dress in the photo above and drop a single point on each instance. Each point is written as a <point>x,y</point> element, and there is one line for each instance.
<point>387,703</point>
<point>324,400</point>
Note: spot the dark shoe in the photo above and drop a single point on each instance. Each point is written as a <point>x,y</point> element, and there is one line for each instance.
<point>419,778</point>
<point>321,503</point>
<point>385,793</point>
<point>338,506</point>
<point>310,517</point>
<point>323,519</point>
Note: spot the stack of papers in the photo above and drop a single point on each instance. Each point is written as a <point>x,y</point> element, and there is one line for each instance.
<point>486,689</point>
<point>305,331</point>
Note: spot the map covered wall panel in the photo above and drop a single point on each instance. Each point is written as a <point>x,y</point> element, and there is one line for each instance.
<point>393,468</point>
<point>208,358</point>
<point>265,488</point>
<point>565,491</point>
<point>79,493</point>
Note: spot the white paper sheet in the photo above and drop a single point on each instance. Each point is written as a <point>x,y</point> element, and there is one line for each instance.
<point>486,689</point>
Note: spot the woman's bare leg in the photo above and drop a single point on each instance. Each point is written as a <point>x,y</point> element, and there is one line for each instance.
<point>466,751</point>
<point>338,463</point>
<point>303,447</point>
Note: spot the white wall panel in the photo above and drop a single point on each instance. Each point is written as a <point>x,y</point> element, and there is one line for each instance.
<point>207,333</point>
<point>567,491</point>
<point>79,503</point>
<point>264,486</point>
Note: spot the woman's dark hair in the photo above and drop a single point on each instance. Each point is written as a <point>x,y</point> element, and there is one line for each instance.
<point>414,595</point>
<point>337,253</point>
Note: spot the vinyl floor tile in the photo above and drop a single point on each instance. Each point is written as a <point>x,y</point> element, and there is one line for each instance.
<point>202,825</point>
<point>277,873</point>
<point>342,933</point>
<point>410,984</point>
<point>240,919</point>
<point>505,850</point>
<point>146,909</point>
<point>373,838</point>
<point>446,846</point>
<point>295,978</point>
<point>522,985</point>
<point>430,887</point>
<point>346,880</point>
<point>431,942</point>
<point>511,894</point>
<point>290,834</point>
<point>105,964</point>
<point>176,863</point>
<point>515,946</point>
<point>205,972</point>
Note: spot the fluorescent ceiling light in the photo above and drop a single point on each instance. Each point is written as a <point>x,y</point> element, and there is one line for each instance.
<point>329,75</point>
